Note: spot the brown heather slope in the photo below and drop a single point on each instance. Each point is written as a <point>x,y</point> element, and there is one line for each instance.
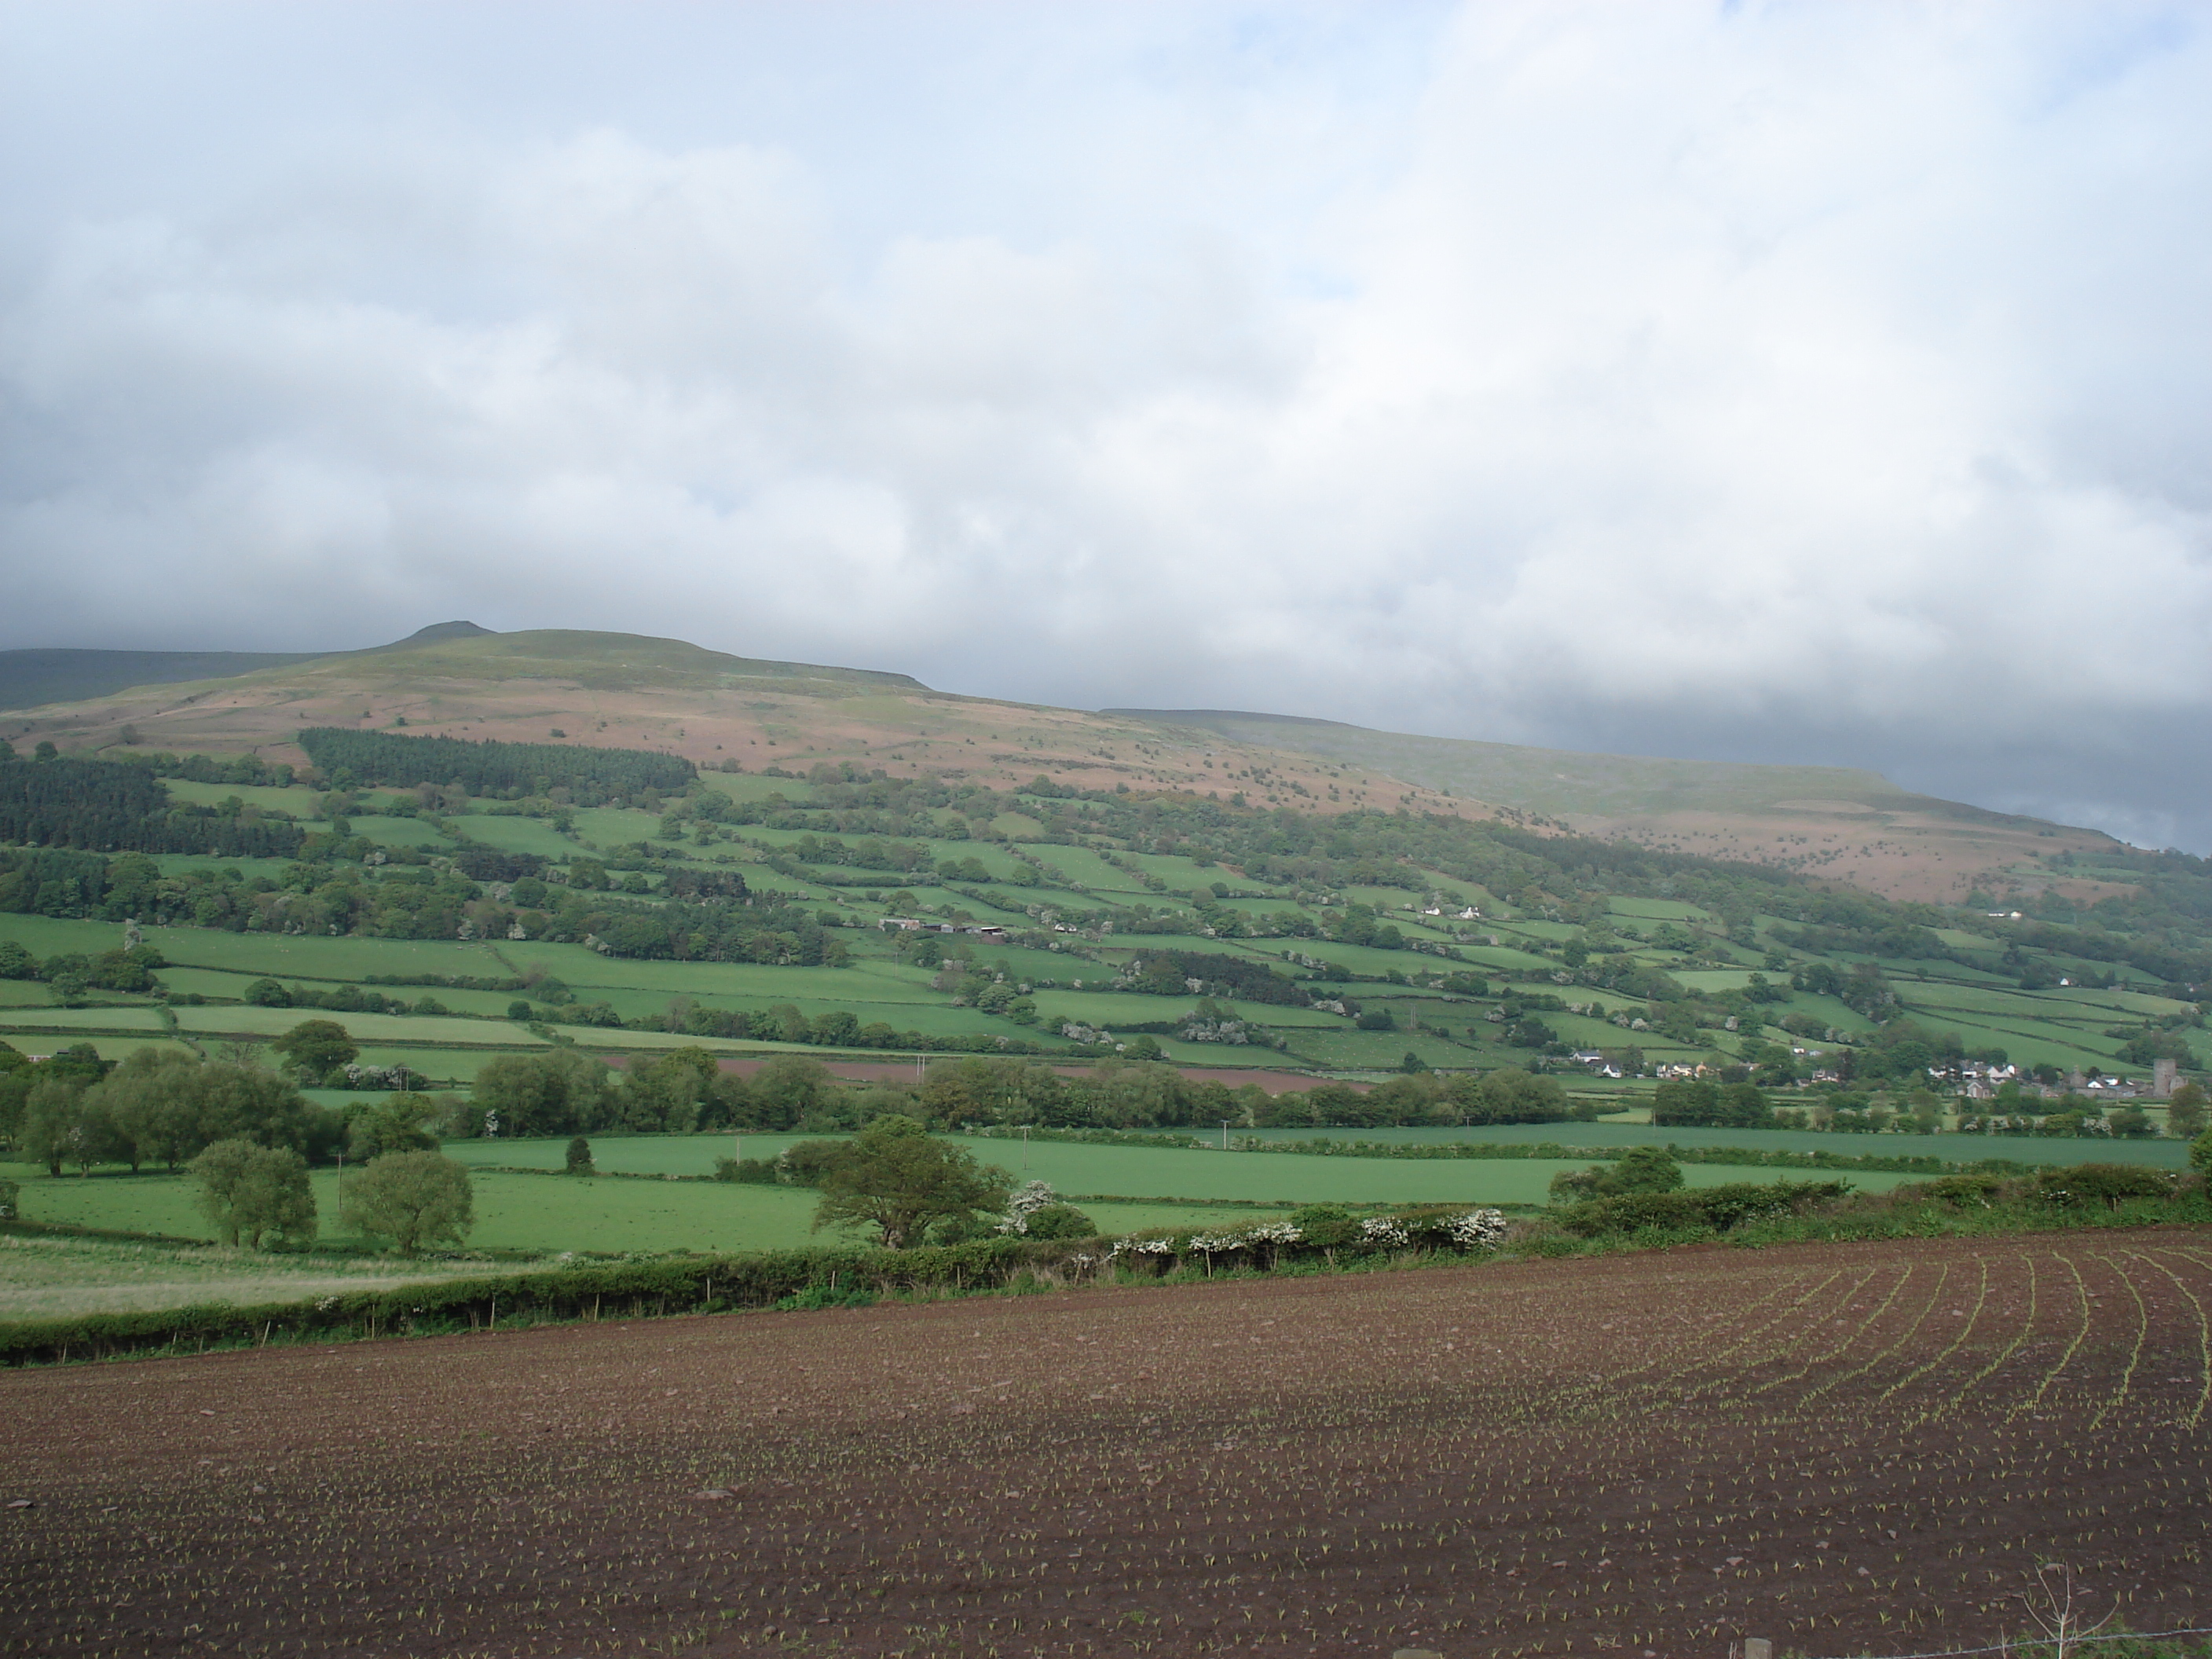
<point>630,691</point>
<point>627,690</point>
<point>1827,821</point>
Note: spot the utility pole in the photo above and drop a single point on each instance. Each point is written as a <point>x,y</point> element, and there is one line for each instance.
<point>1224,1134</point>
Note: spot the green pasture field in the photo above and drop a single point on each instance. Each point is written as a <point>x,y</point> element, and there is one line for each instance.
<point>1714,979</point>
<point>107,1045</point>
<point>57,1277</point>
<point>231,986</point>
<point>1491,959</point>
<point>1829,1011</point>
<point>1258,907</point>
<point>1061,900</point>
<point>1554,933</point>
<point>1388,900</point>
<point>407,1030</point>
<point>1657,910</point>
<point>300,802</point>
<point>2023,1045</point>
<point>1082,864</point>
<point>1972,942</point>
<point>608,826</point>
<point>519,834</point>
<point>1164,1172</point>
<point>1952,1148</point>
<point>178,864</point>
<point>116,1020</point>
<point>1117,1008</point>
<point>869,980</point>
<point>1173,1172</point>
<point>1994,1001</point>
<point>447,1068</point>
<point>790,889</point>
<point>1020,963</point>
<point>1268,949</point>
<point>1009,914</point>
<point>399,832</point>
<point>347,959</point>
<point>1347,1049</point>
<point>46,936</point>
<point>543,1213</point>
<point>2065,1027</point>
<point>991,856</point>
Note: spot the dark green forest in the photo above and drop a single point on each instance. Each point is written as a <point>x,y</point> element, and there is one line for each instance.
<point>58,801</point>
<point>590,776</point>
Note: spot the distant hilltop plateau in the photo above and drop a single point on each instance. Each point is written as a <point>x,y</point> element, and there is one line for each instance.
<point>631,691</point>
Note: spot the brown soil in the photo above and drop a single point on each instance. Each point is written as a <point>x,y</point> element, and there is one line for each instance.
<point>1865,1448</point>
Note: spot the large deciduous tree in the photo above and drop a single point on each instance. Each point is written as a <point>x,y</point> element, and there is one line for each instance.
<point>251,1192</point>
<point>408,1199</point>
<point>315,1048</point>
<point>895,1177</point>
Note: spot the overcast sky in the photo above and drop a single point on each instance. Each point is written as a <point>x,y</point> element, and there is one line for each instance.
<point>1806,381</point>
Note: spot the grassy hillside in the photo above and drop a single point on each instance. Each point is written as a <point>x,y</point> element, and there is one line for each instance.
<point>1849,824</point>
<point>713,708</point>
<point>752,915</point>
<point>1552,782</point>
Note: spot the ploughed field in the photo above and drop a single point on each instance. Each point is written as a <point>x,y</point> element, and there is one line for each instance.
<point>1848,1449</point>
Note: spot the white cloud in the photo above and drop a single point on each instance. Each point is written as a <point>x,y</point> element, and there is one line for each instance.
<point>1816,365</point>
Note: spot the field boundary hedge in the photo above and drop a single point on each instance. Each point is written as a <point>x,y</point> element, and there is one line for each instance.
<point>615,1289</point>
<point>1749,1157</point>
<point>852,1275</point>
<point>822,1277</point>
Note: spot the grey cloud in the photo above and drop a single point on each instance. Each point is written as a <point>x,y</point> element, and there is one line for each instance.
<point>1773,380</point>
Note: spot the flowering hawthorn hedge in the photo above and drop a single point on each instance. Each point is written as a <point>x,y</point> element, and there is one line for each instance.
<point>644,1290</point>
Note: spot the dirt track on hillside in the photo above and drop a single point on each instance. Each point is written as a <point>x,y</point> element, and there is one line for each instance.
<point>1846,1449</point>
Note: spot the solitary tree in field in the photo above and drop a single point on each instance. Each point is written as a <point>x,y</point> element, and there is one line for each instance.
<point>893,1178</point>
<point>251,1192</point>
<point>408,1199</point>
<point>316,1046</point>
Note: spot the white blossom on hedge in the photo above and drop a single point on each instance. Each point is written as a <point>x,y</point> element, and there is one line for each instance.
<point>1143,1247</point>
<point>1036,1195</point>
<point>1478,1229</point>
<point>1384,1230</point>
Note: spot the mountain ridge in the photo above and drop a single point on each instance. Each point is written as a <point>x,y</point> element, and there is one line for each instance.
<point>721,710</point>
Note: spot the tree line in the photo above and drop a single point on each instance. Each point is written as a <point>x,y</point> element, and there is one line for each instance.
<point>565,1092</point>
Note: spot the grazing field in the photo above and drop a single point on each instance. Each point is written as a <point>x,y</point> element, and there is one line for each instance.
<point>53,1277</point>
<point>549,1214</point>
<point>1161,1172</point>
<point>1862,1448</point>
<point>1952,1148</point>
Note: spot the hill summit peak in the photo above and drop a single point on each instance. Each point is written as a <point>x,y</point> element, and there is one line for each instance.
<point>445,630</point>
